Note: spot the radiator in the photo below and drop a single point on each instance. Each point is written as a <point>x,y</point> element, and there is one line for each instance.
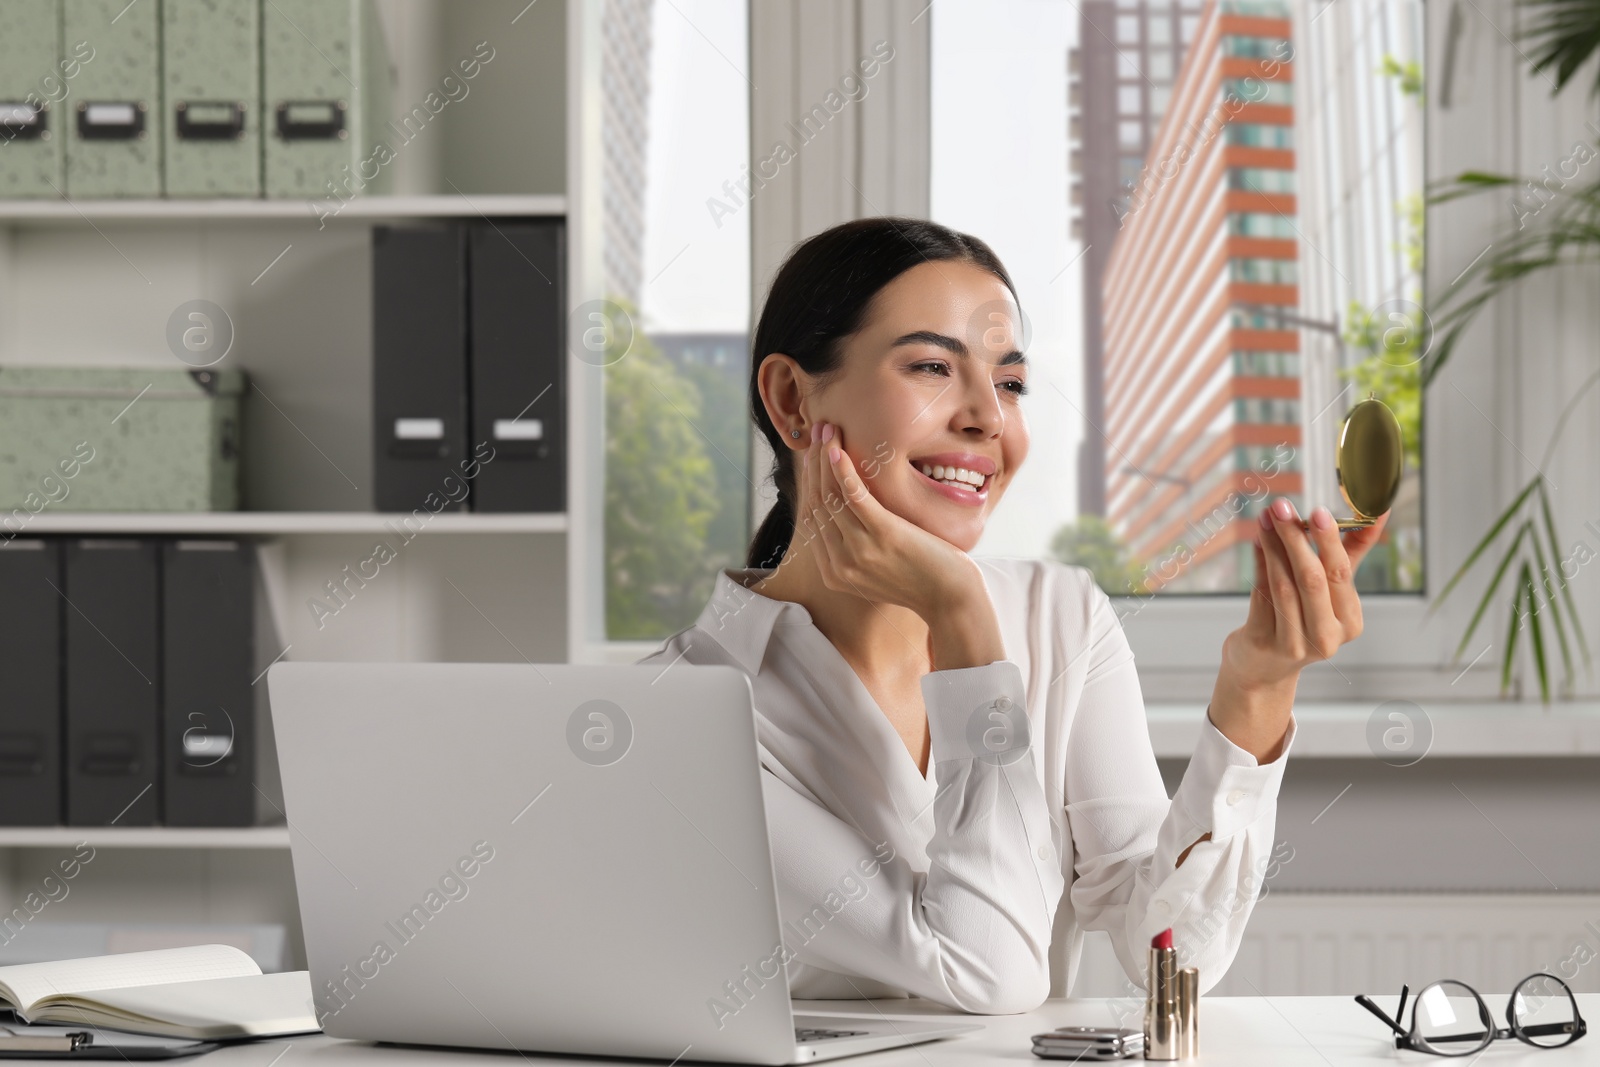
<point>1316,944</point>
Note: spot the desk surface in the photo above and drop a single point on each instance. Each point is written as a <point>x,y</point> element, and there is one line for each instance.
<point>1236,1031</point>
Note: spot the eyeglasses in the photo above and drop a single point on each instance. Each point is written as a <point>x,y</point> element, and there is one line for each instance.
<point>1541,1012</point>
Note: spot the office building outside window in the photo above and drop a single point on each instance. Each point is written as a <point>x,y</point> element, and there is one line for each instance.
<point>1232,285</point>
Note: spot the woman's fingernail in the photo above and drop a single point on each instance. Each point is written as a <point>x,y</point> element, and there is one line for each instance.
<point>1284,509</point>
<point>816,428</point>
<point>833,455</point>
<point>827,431</point>
<point>1266,519</point>
<point>1322,518</point>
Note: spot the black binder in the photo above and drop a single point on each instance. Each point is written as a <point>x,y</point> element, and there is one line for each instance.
<point>113,679</point>
<point>208,704</point>
<point>518,303</point>
<point>419,367</point>
<point>30,695</point>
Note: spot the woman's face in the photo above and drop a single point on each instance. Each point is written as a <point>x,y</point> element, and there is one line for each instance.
<point>926,398</point>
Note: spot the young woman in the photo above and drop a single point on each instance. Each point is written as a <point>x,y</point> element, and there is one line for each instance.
<point>954,750</point>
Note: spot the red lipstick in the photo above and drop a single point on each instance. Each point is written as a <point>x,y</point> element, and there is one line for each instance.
<point>1161,1027</point>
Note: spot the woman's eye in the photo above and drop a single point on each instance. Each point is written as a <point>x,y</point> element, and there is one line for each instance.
<point>1016,385</point>
<point>934,365</point>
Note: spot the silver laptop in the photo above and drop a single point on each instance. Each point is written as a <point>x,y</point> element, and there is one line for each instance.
<point>551,858</point>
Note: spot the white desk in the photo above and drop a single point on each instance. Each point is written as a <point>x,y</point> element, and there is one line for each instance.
<point>1234,1031</point>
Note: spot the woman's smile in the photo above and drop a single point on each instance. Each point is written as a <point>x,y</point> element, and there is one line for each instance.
<point>961,477</point>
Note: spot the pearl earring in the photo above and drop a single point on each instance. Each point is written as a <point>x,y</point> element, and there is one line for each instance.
<point>794,433</point>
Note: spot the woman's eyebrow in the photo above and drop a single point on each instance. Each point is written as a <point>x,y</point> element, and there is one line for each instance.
<point>951,344</point>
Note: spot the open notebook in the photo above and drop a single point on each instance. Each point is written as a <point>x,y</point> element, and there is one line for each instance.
<point>209,992</point>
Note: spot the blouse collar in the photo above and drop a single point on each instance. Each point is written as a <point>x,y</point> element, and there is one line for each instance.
<point>740,620</point>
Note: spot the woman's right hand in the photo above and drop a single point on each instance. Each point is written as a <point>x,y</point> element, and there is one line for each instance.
<point>865,549</point>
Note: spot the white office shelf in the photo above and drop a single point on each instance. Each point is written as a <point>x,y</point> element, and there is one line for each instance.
<point>276,837</point>
<point>243,210</point>
<point>277,523</point>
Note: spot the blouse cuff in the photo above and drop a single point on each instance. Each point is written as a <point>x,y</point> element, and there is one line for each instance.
<point>976,711</point>
<point>1225,788</point>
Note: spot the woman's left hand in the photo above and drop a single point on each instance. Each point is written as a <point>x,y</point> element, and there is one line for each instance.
<point>1303,608</point>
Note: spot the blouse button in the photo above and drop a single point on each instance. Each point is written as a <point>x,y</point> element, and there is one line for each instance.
<point>1044,852</point>
<point>1236,796</point>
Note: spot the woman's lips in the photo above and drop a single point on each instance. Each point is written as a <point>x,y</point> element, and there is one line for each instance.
<point>970,497</point>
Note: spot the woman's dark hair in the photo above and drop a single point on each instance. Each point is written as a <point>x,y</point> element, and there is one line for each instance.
<point>821,295</point>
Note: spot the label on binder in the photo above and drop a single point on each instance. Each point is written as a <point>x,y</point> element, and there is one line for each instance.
<point>518,430</point>
<point>419,429</point>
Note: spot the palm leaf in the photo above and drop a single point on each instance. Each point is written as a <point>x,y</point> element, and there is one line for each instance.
<point>1565,37</point>
<point>1536,636</point>
<point>1511,642</point>
<point>1566,587</point>
<point>1468,183</point>
<point>1488,594</point>
<point>1567,232</point>
<point>1494,531</point>
<point>1555,610</point>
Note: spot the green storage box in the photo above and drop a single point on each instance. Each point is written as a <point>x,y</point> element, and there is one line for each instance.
<point>211,89</point>
<point>32,99</point>
<point>325,95</point>
<point>118,439</point>
<point>114,126</point>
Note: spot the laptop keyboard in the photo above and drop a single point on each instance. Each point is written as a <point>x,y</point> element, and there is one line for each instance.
<point>804,1034</point>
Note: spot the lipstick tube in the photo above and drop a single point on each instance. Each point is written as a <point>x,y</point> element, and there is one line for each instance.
<point>1188,1013</point>
<point>1161,1029</point>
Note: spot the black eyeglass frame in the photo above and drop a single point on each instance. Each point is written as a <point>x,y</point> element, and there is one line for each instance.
<point>1410,1039</point>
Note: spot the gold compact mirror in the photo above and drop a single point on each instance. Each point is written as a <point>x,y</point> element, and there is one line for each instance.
<point>1371,456</point>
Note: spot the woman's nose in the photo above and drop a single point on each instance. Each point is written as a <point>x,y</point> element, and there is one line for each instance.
<point>981,409</point>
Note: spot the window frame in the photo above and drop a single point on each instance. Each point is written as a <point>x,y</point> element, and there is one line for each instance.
<point>1476,417</point>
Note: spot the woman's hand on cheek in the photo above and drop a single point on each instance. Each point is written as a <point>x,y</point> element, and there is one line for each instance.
<point>868,550</point>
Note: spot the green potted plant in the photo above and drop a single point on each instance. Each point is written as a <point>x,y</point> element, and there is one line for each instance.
<point>1560,227</point>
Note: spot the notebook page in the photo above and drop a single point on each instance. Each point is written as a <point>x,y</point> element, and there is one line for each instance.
<point>247,1006</point>
<point>28,982</point>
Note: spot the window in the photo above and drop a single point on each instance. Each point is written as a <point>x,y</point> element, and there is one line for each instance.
<point>1252,320</point>
<point>1159,97</point>
<point>1270,9</point>
<point>1255,47</point>
<point>1259,135</point>
<point>1130,135</point>
<point>1129,100</point>
<point>1186,27</point>
<point>1258,91</point>
<point>1266,410</point>
<point>1267,364</point>
<point>1160,30</point>
<point>676,245</point>
<point>1267,271</point>
<point>1260,180</point>
<point>1161,64</point>
<point>1128,65</point>
<point>1127,29</point>
<point>1259,224</point>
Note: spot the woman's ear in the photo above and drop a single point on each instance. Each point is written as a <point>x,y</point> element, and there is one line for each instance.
<point>784,390</point>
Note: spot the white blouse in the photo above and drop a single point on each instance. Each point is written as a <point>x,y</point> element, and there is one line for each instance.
<point>949,887</point>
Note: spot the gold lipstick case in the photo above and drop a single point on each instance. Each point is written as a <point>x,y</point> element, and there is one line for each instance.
<point>1161,1030</point>
<point>1188,1013</point>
